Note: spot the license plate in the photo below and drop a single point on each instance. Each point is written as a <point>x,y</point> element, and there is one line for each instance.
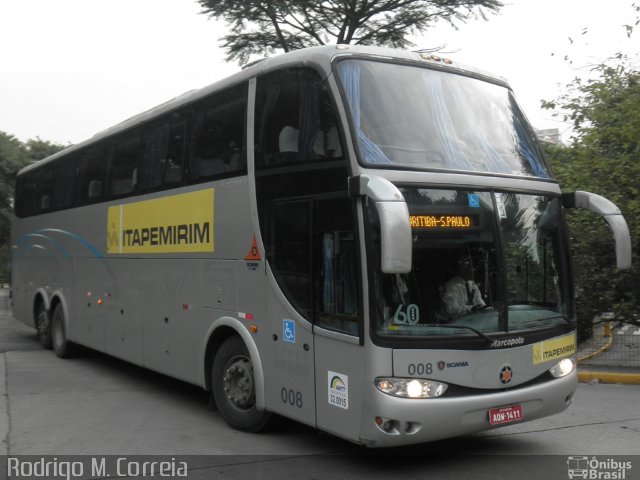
<point>498,416</point>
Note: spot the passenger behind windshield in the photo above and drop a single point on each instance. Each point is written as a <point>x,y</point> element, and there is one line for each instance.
<point>461,293</point>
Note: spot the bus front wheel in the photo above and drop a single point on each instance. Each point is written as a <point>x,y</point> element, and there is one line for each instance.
<point>62,347</point>
<point>233,387</point>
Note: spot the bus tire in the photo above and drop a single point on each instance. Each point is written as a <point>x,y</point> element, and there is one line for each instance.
<point>43,325</point>
<point>62,347</point>
<point>233,387</point>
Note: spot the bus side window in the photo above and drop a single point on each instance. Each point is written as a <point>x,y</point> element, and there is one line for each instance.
<point>28,194</point>
<point>218,143</point>
<point>123,165</point>
<point>44,187</point>
<point>24,194</point>
<point>163,153</point>
<point>63,189</point>
<point>295,119</point>
<point>90,173</point>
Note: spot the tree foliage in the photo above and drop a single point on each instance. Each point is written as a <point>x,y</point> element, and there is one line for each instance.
<point>15,155</point>
<point>604,158</point>
<point>263,26</point>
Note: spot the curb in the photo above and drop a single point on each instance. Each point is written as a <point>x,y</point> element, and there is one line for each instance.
<point>600,350</point>
<point>609,377</point>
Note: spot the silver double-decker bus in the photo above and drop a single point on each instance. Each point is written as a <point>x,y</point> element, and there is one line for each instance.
<point>367,241</point>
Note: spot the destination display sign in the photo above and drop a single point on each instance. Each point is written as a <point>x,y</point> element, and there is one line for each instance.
<point>444,222</point>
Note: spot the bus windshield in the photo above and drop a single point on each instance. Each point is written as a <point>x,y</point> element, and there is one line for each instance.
<point>420,118</point>
<point>483,263</point>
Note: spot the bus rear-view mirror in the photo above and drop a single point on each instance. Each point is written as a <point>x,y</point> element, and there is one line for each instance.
<point>395,230</point>
<point>613,216</point>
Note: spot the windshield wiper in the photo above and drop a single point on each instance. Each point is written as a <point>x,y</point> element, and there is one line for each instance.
<point>484,336</point>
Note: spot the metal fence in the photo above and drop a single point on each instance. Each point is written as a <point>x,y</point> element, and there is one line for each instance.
<point>614,343</point>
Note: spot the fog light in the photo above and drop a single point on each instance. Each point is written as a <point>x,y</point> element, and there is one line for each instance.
<point>387,425</point>
<point>563,368</point>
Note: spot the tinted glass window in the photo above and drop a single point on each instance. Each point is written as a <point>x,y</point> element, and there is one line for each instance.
<point>123,165</point>
<point>91,174</point>
<point>26,194</point>
<point>218,135</point>
<point>163,154</point>
<point>296,120</point>
<point>65,175</point>
<point>151,157</point>
<point>47,189</point>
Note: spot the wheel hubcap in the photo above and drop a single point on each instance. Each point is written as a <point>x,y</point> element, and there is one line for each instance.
<point>238,383</point>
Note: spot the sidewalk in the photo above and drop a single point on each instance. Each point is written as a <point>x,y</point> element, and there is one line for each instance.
<point>611,355</point>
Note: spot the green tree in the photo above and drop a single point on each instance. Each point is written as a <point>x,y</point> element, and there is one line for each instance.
<point>604,158</point>
<point>15,155</point>
<point>264,26</point>
<point>39,149</point>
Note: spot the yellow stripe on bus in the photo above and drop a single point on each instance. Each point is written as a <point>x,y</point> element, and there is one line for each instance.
<point>176,224</point>
<point>553,349</point>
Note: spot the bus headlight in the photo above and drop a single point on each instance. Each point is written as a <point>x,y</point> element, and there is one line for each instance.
<point>563,368</point>
<point>410,387</point>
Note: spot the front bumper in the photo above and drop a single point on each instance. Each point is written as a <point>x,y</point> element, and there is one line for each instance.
<point>423,420</point>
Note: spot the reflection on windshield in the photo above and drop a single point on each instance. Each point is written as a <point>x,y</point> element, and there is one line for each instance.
<point>427,119</point>
<point>483,262</point>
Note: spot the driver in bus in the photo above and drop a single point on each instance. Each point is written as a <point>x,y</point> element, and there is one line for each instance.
<point>461,293</point>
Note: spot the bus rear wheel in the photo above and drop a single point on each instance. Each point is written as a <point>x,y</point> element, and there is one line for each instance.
<point>62,347</point>
<point>233,387</point>
<point>43,325</point>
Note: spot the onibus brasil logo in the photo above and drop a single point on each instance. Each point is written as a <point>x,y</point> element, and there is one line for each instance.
<point>593,468</point>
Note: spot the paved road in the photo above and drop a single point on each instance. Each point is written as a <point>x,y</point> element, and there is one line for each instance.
<point>97,405</point>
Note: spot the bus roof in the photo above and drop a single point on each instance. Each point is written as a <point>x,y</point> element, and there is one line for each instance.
<point>319,57</point>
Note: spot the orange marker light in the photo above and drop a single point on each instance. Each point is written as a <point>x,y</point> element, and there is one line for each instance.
<point>253,329</point>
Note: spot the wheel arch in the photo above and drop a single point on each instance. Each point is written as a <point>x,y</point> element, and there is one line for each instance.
<point>40,297</point>
<point>221,330</point>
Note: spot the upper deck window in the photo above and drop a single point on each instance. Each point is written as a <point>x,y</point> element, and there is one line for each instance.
<point>419,118</point>
<point>296,123</point>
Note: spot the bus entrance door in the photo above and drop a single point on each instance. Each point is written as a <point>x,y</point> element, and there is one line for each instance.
<point>339,377</point>
<point>338,354</point>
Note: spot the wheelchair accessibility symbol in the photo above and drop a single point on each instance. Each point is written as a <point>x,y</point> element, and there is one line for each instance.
<point>289,331</point>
